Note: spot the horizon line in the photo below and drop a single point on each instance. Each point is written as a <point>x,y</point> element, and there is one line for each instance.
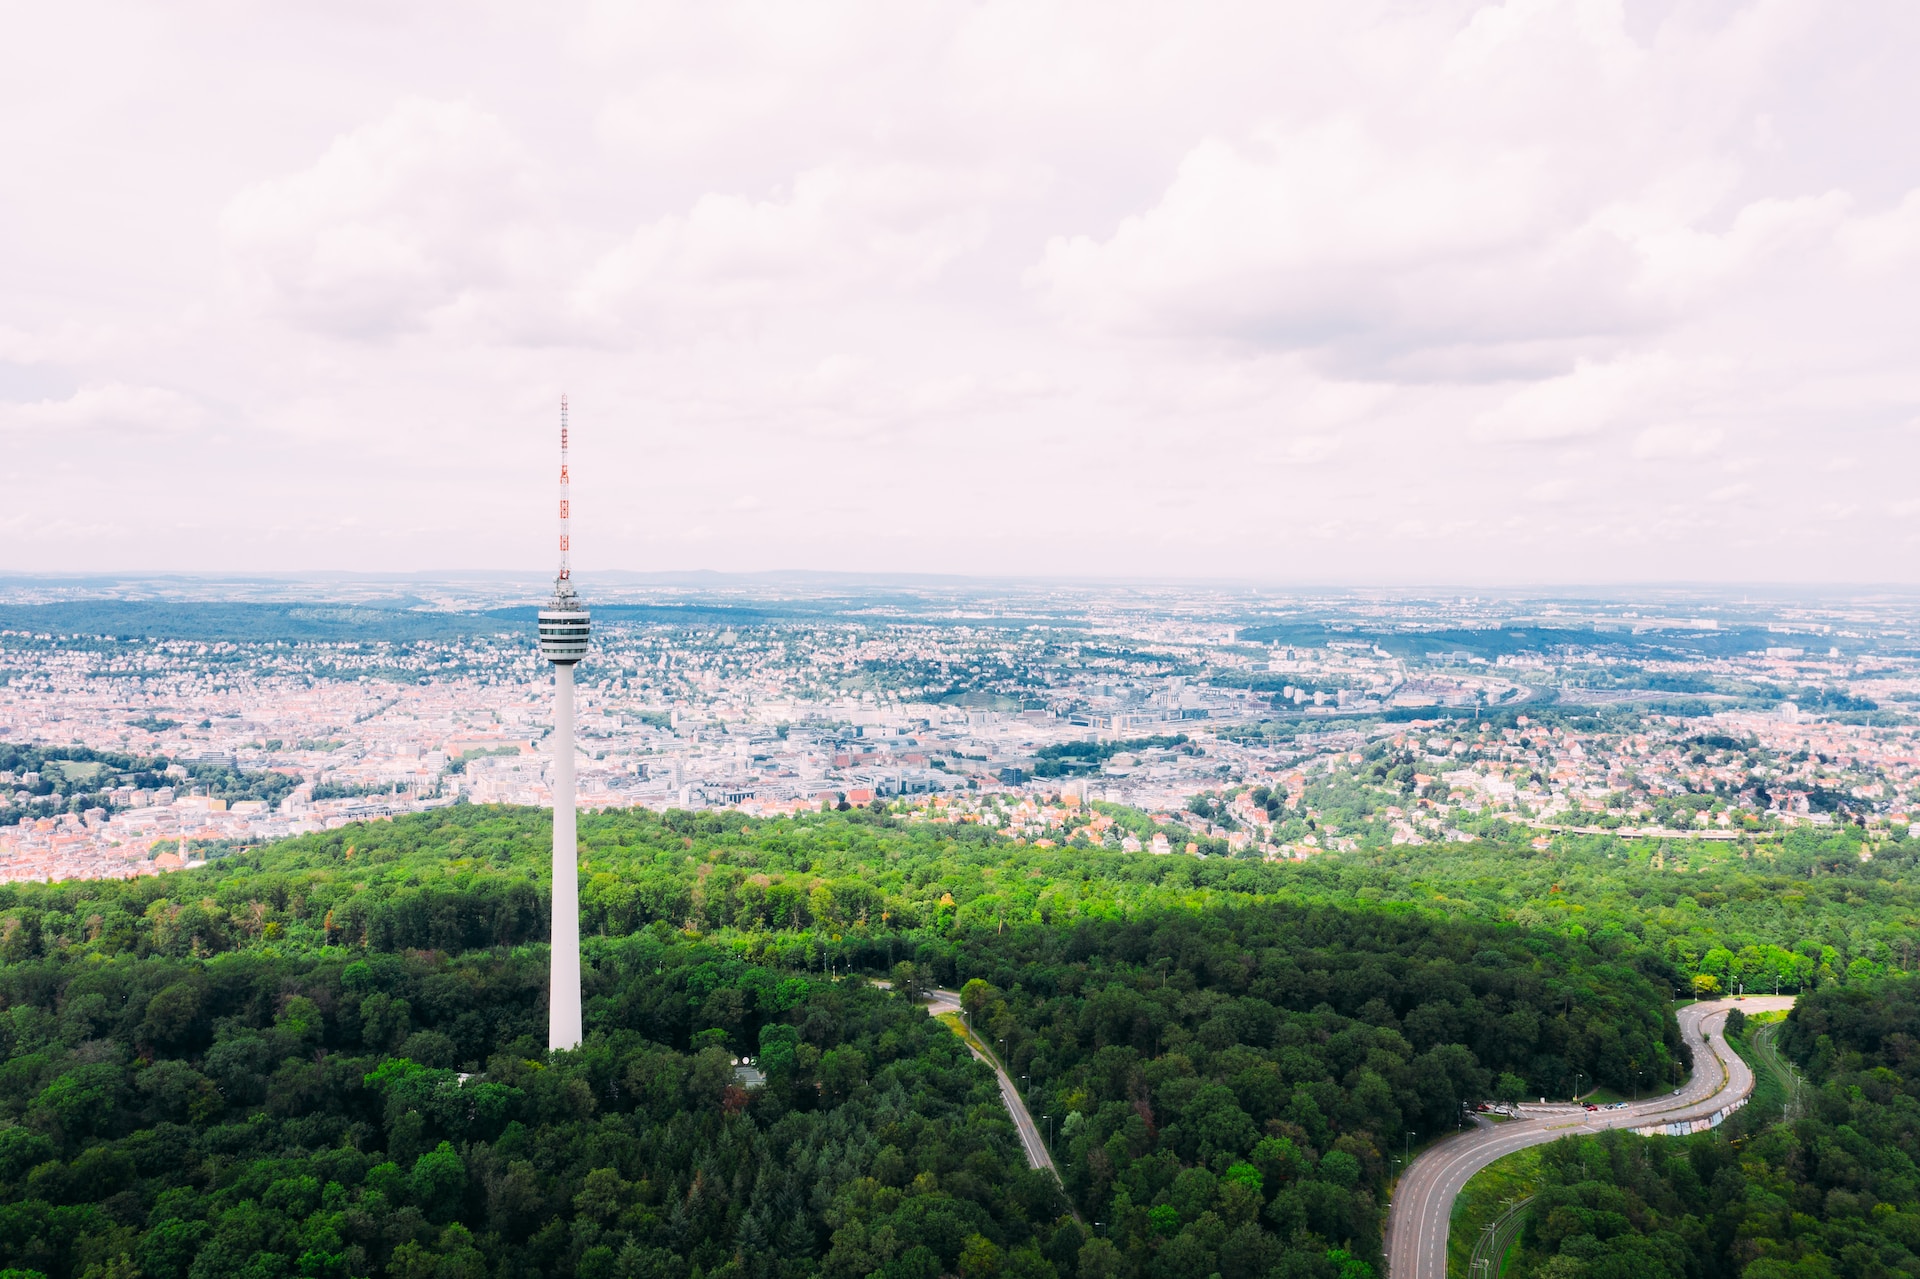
<point>1695,587</point>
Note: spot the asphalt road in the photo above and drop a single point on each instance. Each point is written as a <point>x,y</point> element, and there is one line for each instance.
<point>1422,1206</point>
<point>948,1001</point>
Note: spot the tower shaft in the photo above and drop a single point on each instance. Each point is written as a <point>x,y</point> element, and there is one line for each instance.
<point>563,1007</point>
<point>564,628</point>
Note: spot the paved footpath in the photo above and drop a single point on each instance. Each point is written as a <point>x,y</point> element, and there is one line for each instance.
<point>1422,1207</point>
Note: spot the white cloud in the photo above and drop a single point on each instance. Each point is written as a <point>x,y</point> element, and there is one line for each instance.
<point>398,220</point>
<point>1677,440</point>
<point>838,229</point>
<point>1682,261</point>
<point>1306,450</point>
<point>112,408</point>
<point>1326,236</point>
<point>1887,239</point>
<point>1590,399</point>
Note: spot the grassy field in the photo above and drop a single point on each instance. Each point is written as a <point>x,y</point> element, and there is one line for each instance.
<point>1485,1198</point>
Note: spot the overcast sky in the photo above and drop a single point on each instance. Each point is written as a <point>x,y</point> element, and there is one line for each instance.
<point>1369,292</point>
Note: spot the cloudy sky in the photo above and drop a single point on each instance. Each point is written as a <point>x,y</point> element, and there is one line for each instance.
<point>1354,291</point>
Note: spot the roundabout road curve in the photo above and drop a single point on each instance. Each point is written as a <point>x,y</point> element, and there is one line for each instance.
<point>1422,1205</point>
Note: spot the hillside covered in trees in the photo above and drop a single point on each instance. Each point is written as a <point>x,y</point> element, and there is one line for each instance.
<point>865,890</point>
<point>325,1058</point>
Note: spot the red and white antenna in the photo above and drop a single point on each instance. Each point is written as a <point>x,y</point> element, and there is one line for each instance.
<point>566,502</point>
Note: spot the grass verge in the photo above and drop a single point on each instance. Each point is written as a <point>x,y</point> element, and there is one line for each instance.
<point>958,1025</point>
<point>1484,1198</point>
<point>1772,1083</point>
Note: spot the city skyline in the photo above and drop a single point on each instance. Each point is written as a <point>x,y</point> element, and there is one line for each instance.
<point>228,723</point>
<point>1470,293</point>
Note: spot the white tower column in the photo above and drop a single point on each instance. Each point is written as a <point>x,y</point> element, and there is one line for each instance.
<point>563,1017</point>
<point>564,630</point>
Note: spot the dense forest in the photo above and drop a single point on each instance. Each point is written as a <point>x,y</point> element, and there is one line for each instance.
<point>262,1114</point>
<point>1235,1082</point>
<point>324,1058</point>
<point>866,889</point>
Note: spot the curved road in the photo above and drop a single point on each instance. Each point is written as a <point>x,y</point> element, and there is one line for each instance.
<point>1422,1204</point>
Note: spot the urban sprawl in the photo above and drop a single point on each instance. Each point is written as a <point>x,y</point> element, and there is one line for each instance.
<point>1195,727</point>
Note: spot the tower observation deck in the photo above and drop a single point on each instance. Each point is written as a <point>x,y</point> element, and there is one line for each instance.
<point>564,626</point>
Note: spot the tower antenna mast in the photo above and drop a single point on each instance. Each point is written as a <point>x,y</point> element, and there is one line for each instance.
<point>566,502</point>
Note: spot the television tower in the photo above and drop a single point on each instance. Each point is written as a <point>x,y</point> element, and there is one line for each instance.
<point>564,626</point>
